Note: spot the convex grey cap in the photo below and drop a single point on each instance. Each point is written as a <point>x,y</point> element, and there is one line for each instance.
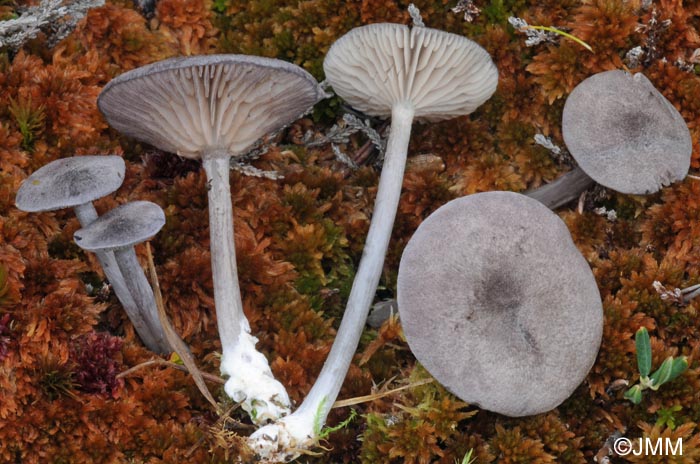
<point>442,75</point>
<point>624,134</point>
<point>505,314</point>
<point>124,226</point>
<point>70,182</point>
<point>207,103</point>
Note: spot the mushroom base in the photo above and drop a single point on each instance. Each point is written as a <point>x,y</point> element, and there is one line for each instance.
<point>250,381</point>
<point>283,440</point>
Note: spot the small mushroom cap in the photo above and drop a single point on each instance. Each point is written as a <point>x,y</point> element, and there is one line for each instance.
<point>70,182</point>
<point>624,134</point>
<point>211,103</point>
<point>505,314</point>
<point>124,226</point>
<point>442,75</point>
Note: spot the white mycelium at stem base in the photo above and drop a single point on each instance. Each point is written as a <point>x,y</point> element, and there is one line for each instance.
<point>250,378</point>
<point>382,70</point>
<point>273,441</point>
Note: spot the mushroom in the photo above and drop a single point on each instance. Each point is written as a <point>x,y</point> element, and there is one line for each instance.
<point>118,231</point>
<point>624,134</point>
<point>75,183</point>
<point>504,314</point>
<point>214,108</point>
<point>385,70</point>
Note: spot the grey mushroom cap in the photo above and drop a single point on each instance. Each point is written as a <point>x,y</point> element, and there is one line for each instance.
<point>208,103</point>
<point>624,134</point>
<point>443,75</point>
<point>70,182</point>
<point>122,227</point>
<point>505,314</point>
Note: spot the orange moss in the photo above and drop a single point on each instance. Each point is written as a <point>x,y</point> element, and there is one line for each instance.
<point>512,447</point>
<point>188,24</point>
<point>673,224</point>
<point>66,95</point>
<point>122,39</point>
<point>299,239</point>
<point>690,440</point>
<point>381,11</point>
<point>557,438</point>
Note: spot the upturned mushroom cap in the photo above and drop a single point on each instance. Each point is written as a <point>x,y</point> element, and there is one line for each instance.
<point>442,75</point>
<point>505,314</point>
<point>124,226</point>
<point>624,134</point>
<point>208,103</point>
<point>70,182</point>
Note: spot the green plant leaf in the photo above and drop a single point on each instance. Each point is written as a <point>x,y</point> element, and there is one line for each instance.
<point>634,394</point>
<point>679,366</point>
<point>662,374</point>
<point>667,416</point>
<point>645,382</point>
<point>467,459</point>
<point>318,425</point>
<point>643,345</point>
<point>326,431</point>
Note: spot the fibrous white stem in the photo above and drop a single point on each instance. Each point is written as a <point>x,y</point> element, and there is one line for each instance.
<point>141,291</point>
<point>278,442</point>
<point>250,378</point>
<point>563,190</point>
<point>87,215</point>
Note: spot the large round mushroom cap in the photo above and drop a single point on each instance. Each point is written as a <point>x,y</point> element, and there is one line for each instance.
<point>208,103</point>
<point>624,134</point>
<point>70,182</point>
<point>505,313</point>
<point>124,226</point>
<point>442,75</point>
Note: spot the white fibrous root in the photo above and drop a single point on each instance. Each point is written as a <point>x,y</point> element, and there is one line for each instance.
<point>284,440</point>
<point>250,381</point>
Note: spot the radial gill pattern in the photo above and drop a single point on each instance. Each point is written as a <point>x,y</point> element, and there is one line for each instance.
<point>442,74</point>
<point>208,103</point>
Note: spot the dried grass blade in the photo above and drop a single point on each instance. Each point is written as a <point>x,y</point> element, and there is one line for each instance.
<point>173,338</point>
<point>376,396</point>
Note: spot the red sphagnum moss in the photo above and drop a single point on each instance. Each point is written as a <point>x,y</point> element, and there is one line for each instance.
<point>64,338</point>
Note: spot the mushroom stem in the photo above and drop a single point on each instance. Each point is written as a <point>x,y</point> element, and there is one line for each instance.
<point>87,214</point>
<point>250,378</point>
<point>299,430</point>
<point>690,293</point>
<point>327,386</point>
<point>141,291</point>
<point>563,190</point>
<point>229,308</point>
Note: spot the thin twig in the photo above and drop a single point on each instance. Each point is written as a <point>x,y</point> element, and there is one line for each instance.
<point>376,396</point>
<point>562,33</point>
<point>161,362</point>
